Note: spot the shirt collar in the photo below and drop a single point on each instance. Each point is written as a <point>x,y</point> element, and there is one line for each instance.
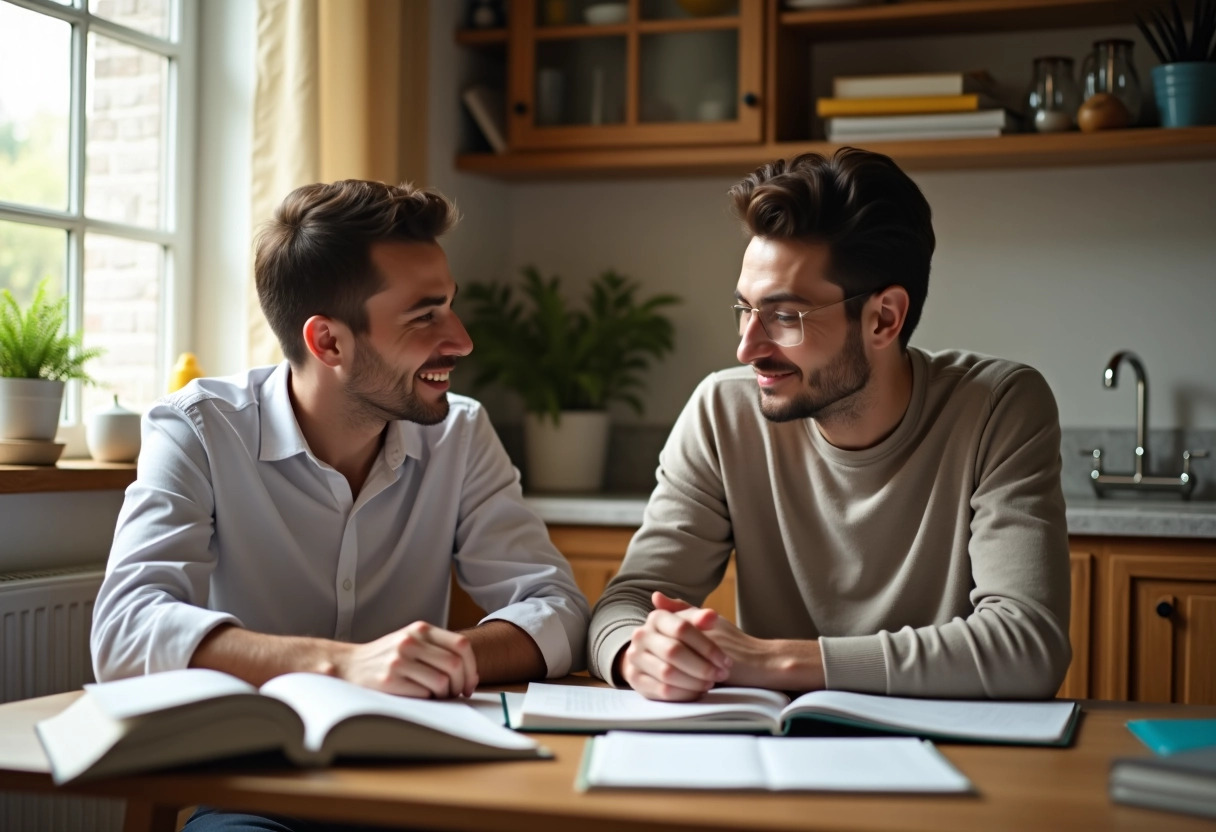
<point>282,437</point>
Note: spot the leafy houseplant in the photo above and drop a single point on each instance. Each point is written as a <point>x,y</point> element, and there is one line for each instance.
<point>1185,83</point>
<point>566,364</point>
<point>37,356</point>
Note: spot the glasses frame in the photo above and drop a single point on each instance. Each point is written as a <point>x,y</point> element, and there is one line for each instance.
<point>743,307</point>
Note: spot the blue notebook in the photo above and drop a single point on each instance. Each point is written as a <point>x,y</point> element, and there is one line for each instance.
<point>1169,736</point>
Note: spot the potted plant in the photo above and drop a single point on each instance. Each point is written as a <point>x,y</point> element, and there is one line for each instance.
<point>1185,82</point>
<point>568,365</point>
<point>37,357</point>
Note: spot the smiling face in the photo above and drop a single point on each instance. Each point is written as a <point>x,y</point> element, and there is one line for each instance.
<point>401,364</point>
<point>825,376</point>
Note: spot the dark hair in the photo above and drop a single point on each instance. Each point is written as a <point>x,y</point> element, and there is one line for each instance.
<point>314,256</point>
<point>875,221</point>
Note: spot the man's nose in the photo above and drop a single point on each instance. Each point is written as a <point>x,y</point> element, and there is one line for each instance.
<point>458,339</point>
<point>754,343</point>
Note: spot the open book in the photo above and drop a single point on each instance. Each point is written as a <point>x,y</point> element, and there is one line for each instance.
<point>548,707</point>
<point>190,716</point>
<point>626,760</point>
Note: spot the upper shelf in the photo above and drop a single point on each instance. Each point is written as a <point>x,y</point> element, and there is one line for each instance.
<point>1136,145</point>
<point>930,17</point>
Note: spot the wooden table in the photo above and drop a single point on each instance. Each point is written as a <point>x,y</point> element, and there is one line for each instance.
<point>1019,789</point>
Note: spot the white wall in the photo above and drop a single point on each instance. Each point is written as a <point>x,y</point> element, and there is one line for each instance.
<point>1057,267</point>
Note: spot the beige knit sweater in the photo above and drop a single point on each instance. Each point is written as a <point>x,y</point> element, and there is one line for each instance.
<point>933,564</point>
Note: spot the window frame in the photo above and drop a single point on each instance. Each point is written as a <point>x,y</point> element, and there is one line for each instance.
<point>176,231</point>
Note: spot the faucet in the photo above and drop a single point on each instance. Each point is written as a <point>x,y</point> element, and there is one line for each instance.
<point>1184,483</point>
<point>1110,380</point>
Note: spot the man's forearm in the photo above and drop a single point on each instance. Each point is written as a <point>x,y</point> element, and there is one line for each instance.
<point>505,653</point>
<point>257,657</point>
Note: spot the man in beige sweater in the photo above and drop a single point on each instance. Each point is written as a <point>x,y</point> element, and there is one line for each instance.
<point>896,515</point>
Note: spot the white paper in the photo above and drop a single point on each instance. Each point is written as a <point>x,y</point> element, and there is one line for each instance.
<point>994,721</point>
<point>588,706</point>
<point>897,764</point>
<point>323,701</point>
<point>627,759</point>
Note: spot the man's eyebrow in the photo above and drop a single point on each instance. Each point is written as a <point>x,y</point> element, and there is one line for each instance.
<point>430,301</point>
<point>779,297</point>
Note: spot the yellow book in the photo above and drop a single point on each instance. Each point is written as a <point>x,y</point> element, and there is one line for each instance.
<point>829,107</point>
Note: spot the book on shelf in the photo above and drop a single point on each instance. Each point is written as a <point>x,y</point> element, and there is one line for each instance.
<point>548,707</point>
<point>969,102</point>
<point>1183,782</point>
<point>909,136</point>
<point>191,716</point>
<point>1169,736</point>
<point>488,107</point>
<point>912,84</point>
<point>632,760</point>
<point>978,120</point>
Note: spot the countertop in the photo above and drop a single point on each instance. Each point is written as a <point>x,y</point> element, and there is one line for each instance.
<point>1149,517</point>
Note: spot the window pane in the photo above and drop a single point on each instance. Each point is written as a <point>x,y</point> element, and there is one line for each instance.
<point>124,163</point>
<point>35,97</point>
<point>28,253</point>
<point>148,16</point>
<point>122,310</point>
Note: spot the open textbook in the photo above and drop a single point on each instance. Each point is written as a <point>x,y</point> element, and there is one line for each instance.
<point>628,760</point>
<point>548,707</point>
<point>189,716</point>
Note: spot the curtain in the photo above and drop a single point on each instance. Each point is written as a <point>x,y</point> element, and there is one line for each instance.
<point>340,94</point>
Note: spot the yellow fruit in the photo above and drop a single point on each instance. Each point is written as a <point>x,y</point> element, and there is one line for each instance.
<point>184,371</point>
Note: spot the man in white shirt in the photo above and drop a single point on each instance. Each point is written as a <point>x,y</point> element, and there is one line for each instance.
<point>307,517</point>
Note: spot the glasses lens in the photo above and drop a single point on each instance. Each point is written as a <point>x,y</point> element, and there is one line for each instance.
<point>742,316</point>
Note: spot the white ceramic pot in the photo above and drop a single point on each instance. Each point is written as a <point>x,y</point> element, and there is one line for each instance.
<point>29,408</point>
<point>568,456</point>
<point>113,434</point>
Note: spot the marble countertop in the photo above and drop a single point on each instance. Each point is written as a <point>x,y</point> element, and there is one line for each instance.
<point>1086,515</point>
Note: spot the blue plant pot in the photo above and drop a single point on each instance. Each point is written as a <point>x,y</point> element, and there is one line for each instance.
<point>1186,93</point>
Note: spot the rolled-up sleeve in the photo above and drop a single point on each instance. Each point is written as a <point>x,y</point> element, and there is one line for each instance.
<point>506,562</point>
<point>151,613</point>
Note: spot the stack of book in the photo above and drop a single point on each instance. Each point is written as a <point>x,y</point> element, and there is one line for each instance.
<point>1181,777</point>
<point>946,105</point>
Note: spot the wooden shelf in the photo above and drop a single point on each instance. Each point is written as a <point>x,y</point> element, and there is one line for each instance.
<point>928,17</point>
<point>68,475</point>
<point>1112,147</point>
<point>481,37</point>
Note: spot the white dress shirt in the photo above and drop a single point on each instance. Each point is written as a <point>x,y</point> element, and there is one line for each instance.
<point>233,520</point>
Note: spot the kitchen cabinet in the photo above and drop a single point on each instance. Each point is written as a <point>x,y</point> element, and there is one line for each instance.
<point>653,121</point>
<point>661,76</point>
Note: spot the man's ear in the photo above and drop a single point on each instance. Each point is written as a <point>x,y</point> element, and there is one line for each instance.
<point>889,316</point>
<point>328,340</point>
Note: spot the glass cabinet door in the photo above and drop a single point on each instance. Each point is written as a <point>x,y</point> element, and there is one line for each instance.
<point>586,73</point>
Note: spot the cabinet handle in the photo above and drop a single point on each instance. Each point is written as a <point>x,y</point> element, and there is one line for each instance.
<point>1165,608</point>
<point>751,99</point>
<point>520,108</point>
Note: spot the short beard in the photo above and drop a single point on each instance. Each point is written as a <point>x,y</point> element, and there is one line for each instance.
<point>377,394</point>
<point>830,393</point>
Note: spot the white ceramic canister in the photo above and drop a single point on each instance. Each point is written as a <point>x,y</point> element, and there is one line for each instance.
<point>113,434</point>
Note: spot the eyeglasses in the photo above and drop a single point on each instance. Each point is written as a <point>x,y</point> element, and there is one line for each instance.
<point>782,326</point>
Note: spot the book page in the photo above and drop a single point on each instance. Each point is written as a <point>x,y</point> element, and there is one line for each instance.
<point>898,764</point>
<point>625,759</point>
<point>1041,722</point>
<point>323,702</point>
<point>125,698</point>
<point>546,704</point>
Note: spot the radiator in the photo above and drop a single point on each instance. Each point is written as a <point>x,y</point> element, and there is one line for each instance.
<point>44,648</point>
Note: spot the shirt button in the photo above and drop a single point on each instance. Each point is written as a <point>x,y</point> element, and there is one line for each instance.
<point>346,584</point>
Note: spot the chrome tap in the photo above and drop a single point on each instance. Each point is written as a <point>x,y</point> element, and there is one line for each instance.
<point>1184,483</point>
<point>1110,379</point>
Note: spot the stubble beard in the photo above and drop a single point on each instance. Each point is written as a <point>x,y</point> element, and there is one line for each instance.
<point>377,393</point>
<point>831,392</point>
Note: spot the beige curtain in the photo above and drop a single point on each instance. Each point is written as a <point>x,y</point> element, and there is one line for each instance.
<point>341,93</point>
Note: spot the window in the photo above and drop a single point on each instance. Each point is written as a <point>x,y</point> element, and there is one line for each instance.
<point>96,102</point>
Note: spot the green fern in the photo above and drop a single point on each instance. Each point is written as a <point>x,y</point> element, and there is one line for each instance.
<point>557,358</point>
<point>34,342</point>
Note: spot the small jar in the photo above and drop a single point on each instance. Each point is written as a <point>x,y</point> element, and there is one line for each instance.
<point>1109,68</point>
<point>1051,104</point>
